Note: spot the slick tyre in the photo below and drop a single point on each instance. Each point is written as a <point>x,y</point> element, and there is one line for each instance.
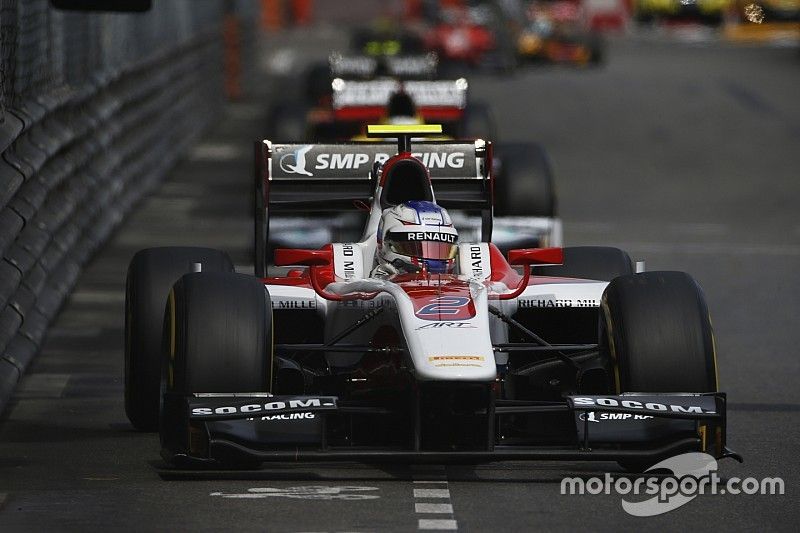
<point>151,273</point>
<point>601,263</point>
<point>478,122</point>
<point>217,338</point>
<point>525,185</point>
<point>655,332</point>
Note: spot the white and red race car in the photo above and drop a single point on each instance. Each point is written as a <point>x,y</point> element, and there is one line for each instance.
<point>500,359</point>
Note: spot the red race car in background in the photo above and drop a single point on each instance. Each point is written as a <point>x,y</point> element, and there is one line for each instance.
<point>476,36</point>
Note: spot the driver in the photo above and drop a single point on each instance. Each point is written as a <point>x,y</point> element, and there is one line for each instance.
<point>415,236</point>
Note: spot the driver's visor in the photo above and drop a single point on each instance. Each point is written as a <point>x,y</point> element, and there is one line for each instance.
<point>423,244</point>
<point>424,249</point>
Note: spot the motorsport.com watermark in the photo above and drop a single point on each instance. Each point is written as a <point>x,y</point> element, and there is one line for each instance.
<point>693,474</point>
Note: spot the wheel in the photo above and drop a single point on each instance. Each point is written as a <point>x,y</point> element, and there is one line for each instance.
<point>655,332</point>
<point>151,273</point>
<point>601,263</point>
<point>525,185</point>
<point>217,338</point>
<point>318,83</point>
<point>220,334</point>
<point>596,50</point>
<point>478,122</point>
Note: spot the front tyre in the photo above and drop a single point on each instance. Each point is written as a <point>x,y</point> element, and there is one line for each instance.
<point>217,338</point>
<point>656,333</point>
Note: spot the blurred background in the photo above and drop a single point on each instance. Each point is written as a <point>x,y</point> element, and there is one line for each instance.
<point>669,128</point>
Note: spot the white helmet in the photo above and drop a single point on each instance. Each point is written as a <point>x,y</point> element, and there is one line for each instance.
<point>417,235</point>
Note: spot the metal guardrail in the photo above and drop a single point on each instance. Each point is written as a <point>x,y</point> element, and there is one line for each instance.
<point>94,110</point>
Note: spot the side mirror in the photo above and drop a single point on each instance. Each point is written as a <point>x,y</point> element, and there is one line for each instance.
<point>291,257</point>
<point>536,256</point>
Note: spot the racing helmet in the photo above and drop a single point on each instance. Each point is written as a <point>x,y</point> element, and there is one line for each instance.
<point>417,235</point>
<point>401,109</point>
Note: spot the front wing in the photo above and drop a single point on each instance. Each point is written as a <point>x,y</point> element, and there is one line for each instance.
<point>212,428</point>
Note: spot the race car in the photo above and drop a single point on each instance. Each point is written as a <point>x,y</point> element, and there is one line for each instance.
<point>557,32</point>
<point>476,36</point>
<point>414,343</point>
<point>348,90</point>
<point>707,11</point>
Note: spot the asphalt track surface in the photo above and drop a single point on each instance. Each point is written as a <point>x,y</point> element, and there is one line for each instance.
<point>684,154</point>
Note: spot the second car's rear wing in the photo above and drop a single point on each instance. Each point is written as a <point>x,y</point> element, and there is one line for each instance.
<point>304,178</point>
<point>365,101</point>
<point>405,67</point>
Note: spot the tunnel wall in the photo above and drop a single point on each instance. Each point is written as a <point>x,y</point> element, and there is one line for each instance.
<point>95,108</point>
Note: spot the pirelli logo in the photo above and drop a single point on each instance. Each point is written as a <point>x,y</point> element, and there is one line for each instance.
<point>455,360</point>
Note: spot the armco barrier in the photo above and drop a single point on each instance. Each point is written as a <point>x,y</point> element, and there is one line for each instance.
<point>73,163</point>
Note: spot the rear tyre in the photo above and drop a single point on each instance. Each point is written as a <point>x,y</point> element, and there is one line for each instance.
<point>217,338</point>
<point>596,50</point>
<point>151,273</point>
<point>525,185</point>
<point>478,122</point>
<point>602,263</point>
<point>655,333</point>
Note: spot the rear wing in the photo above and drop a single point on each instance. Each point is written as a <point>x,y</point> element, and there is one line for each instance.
<point>420,66</point>
<point>297,179</point>
<point>436,100</point>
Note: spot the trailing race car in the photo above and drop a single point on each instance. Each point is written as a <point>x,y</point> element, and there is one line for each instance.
<point>708,11</point>
<point>557,32</point>
<point>477,36</point>
<point>414,343</point>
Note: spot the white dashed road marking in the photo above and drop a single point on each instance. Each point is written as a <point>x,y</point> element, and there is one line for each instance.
<point>433,508</point>
<point>429,501</point>
<point>437,523</point>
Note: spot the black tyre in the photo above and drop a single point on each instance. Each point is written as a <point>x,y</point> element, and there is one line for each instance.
<point>524,185</point>
<point>218,335</point>
<point>596,50</point>
<point>478,122</point>
<point>655,332</point>
<point>151,273</point>
<point>601,263</point>
<point>318,83</point>
<point>217,338</point>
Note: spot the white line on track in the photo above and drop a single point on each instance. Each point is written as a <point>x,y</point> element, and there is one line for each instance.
<point>431,493</point>
<point>435,508</point>
<point>430,502</point>
<point>437,523</point>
